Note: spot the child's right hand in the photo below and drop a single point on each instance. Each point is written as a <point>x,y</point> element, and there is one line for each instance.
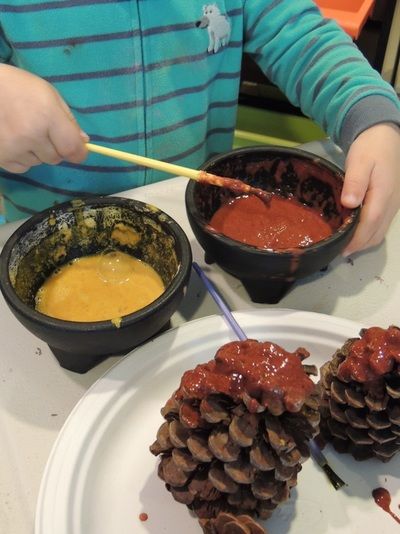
<point>36,125</point>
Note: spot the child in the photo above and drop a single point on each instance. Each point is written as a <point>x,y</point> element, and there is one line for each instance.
<point>161,79</point>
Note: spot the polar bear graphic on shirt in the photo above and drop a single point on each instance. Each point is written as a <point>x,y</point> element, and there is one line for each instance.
<point>218,27</point>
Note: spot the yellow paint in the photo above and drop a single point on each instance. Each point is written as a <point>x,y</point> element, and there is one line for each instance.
<point>125,235</point>
<point>90,222</point>
<point>60,252</point>
<point>98,288</point>
<point>116,321</point>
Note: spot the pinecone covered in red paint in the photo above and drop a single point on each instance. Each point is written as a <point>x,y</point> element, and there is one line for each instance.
<point>360,407</point>
<point>236,433</point>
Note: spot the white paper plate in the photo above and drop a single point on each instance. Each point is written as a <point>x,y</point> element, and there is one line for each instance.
<point>101,476</point>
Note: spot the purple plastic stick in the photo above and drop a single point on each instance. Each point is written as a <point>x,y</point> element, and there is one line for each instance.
<point>220,303</point>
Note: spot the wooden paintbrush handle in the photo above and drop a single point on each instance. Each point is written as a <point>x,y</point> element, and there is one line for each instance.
<point>237,186</point>
<point>177,170</point>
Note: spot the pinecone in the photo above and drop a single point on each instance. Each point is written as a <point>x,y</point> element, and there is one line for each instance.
<point>236,432</point>
<point>360,407</point>
<point>229,524</point>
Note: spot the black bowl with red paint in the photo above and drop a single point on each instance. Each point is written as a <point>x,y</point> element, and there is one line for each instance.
<point>268,274</point>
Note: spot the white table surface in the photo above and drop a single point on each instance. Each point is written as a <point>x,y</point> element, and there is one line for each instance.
<point>36,394</point>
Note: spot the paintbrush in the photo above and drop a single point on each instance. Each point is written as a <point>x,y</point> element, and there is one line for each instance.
<point>236,186</point>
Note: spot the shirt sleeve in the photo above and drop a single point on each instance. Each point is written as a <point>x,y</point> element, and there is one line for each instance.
<point>318,67</point>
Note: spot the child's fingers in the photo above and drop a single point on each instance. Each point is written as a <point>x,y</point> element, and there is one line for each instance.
<point>363,240</point>
<point>357,175</point>
<point>372,168</point>
<point>374,220</point>
<point>65,136</point>
<point>21,163</point>
<point>47,153</point>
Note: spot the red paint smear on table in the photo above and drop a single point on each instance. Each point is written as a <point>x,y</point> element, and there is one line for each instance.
<point>383,499</point>
<point>371,356</point>
<point>263,371</point>
<point>280,224</point>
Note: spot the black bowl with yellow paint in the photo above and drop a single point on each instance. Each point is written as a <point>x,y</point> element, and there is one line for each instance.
<point>79,228</point>
<point>315,182</point>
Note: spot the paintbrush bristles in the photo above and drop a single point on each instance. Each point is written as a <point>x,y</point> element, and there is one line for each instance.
<point>335,480</point>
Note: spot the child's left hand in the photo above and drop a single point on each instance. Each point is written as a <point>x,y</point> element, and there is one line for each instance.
<point>372,177</point>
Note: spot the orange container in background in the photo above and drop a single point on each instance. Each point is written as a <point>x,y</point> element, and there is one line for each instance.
<point>351,15</point>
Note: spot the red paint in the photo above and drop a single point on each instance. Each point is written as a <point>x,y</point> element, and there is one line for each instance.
<point>280,224</point>
<point>383,499</point>
<point>236,186</point>
<point>143,516</point>
<point>263,371</point>
<point>371,356</point>
<point>189,416</point>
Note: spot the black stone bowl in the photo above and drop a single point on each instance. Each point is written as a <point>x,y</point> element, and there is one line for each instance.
<point>267,274</point>
<point>83,227</point>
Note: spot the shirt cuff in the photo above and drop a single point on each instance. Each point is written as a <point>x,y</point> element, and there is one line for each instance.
<point>367,112</point>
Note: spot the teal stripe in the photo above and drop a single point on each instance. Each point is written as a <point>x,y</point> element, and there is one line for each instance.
<point>30,6</point>
<point>45,22</point>
<point>81,58</point>
<point>158,99</point>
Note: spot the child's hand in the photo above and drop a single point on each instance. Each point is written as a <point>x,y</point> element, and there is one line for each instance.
<point>36,125</point>
<point>373,178</point>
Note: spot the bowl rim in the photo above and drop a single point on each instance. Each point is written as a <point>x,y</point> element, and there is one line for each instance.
<point>250,249</point>
<point>183,248</point>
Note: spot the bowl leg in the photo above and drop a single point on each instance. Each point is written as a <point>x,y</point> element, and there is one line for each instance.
<point>208,258</point>
<point>83,362</point>
<point>266,291</point>
<point>78,363</point>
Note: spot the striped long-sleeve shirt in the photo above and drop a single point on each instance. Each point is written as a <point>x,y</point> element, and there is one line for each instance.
<point>161,78</point>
